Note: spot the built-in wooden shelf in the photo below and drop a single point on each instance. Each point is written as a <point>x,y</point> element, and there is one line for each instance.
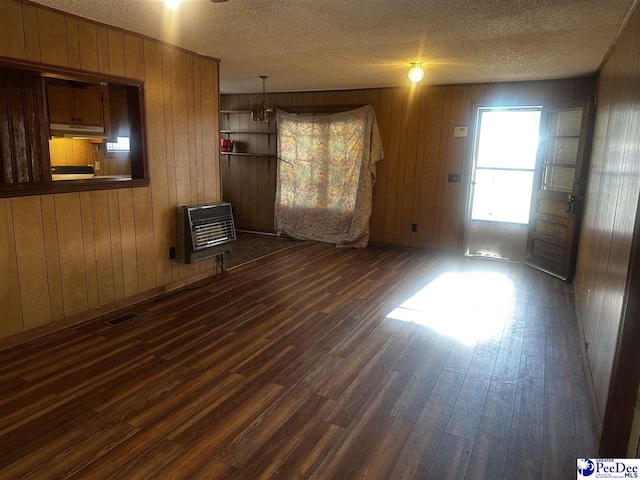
<point>242,154</point>
<point>228,132</point>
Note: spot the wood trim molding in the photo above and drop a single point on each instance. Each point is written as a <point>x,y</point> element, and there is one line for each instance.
<point>119,29</point>
<point>68,73</point>
<point>125,303</point>
<point>67,186</point>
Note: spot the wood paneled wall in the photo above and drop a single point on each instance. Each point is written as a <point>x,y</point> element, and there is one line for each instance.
<point>64,254</point>
<point>416,124</point>
<point>611,208</point>
<point>71,151</point>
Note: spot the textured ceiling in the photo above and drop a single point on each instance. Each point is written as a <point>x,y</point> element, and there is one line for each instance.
<point>335,44</point>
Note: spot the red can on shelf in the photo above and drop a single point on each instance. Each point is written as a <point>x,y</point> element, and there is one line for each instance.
<point>226,145</point>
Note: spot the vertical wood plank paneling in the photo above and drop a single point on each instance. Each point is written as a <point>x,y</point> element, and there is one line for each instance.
<point>116,52</point>
<point>419,164</point>
<point>170,150</point>
<point>209,123</point>
<point>116,244</point>
<point>441,176</point>
<point>31,33</point>
<point>179,108</point>
<point>215,151</point>
<point>102,239</point>
<point>385,99</point>
<point>73,42</point>
<point>450,227</point>
<point>88,238</point>
<point>11,26</point>
<point>133,57</point>
<point>32,265</point>
<point>128,242</point>
<point>70,244</point>
<point>52,252</point>
<point>143,218</point>
<point>607,232</point>
<point>405,206</point>
<point>426,231</point>
<point>197,93</point>
<point>9,282</point>
<point>154,106</point>
<point>401,159</point>
<point>102,40</point>
<point>88,40</point>
<point>53,37</point>
<point>191,131</point>
<point>392,166</point>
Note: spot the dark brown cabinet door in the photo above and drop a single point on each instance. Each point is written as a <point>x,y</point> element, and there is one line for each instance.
<point>559,188</point>
<point>62,104</point>
<point>89,109</point>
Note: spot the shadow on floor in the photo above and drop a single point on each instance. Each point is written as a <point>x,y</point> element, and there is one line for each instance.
<point>251,246</point>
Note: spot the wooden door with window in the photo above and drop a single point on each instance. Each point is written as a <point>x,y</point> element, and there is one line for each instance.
<point>559,185</point>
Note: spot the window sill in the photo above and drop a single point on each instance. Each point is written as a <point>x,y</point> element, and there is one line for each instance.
<point>67,186</point>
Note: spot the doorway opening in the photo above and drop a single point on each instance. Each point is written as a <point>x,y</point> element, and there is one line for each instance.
<point>504,163</point>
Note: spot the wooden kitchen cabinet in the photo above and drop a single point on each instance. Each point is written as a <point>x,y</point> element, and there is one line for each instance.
<point>72,105</point>
<point>89,106</point>
<point>62,104</point>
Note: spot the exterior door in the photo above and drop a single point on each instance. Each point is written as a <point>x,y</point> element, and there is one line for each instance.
<point>503,169</point>
<point>559,185</point>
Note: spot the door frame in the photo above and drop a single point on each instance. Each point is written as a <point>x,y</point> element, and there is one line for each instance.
<point>470,157</point>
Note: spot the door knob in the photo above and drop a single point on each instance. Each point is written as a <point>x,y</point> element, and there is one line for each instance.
<point>571,200</point>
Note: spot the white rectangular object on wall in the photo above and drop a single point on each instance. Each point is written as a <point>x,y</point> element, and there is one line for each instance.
<point>460,132</point>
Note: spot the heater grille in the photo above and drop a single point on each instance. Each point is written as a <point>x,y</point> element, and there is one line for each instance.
<point>210,234</point>
<point>204,230</point>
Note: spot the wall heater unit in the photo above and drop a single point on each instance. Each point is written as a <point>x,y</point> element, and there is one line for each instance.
<point>204,231</point>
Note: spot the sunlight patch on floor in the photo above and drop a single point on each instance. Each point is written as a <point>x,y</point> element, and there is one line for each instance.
<point>467,306</point>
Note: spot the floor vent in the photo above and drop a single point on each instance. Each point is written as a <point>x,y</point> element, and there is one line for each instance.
<point>120,320</point>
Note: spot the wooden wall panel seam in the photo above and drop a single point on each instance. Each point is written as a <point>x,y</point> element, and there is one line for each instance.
<point>46,261</point>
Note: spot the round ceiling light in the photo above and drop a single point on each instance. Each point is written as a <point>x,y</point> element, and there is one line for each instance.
<point>416,72</point>
<point>172,4</point>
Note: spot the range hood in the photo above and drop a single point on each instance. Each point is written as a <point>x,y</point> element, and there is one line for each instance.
<point>76,131</point>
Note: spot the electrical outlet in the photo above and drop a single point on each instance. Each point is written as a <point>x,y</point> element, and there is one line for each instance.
<point>172,253</point>
<point>414,227</point>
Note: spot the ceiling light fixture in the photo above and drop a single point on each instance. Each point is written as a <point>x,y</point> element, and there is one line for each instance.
<point>172,4</point>
<point>416,72</point>
<point>261,112</point>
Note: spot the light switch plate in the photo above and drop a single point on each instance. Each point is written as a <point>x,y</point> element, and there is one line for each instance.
<point>460,131</point>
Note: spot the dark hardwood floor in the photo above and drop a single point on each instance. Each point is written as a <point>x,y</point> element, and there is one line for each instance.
<point>315,362</point>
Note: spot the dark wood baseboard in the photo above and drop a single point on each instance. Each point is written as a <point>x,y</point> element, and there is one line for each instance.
<point>74,320</point>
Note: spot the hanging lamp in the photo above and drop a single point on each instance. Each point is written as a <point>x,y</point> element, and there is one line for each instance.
<point>261,112</point>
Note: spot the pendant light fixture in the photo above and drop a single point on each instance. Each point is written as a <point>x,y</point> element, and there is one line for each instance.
<point>261,112</point>
<point>416,72</point>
